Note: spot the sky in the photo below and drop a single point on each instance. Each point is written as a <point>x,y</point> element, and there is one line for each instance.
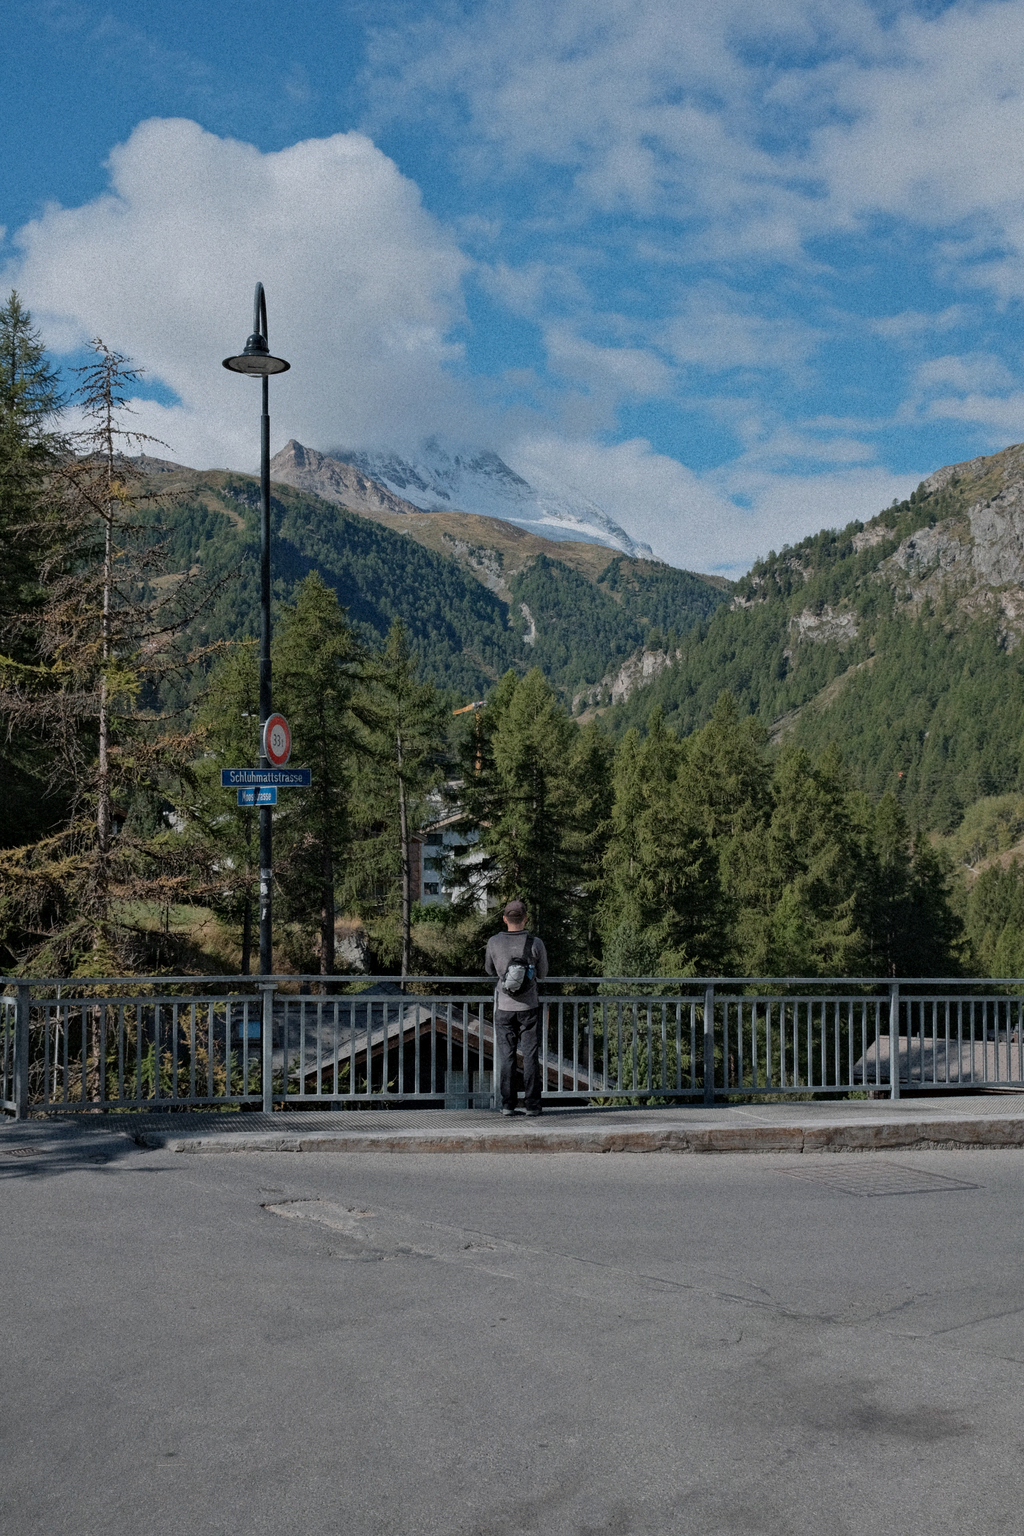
<point>736,272</point>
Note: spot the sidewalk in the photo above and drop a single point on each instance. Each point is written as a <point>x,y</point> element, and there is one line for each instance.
<point>831,1126</point>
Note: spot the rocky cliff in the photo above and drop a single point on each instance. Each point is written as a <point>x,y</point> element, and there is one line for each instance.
<point>344,484</point>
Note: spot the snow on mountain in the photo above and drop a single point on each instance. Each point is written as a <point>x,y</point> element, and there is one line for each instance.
<point>442,480</point>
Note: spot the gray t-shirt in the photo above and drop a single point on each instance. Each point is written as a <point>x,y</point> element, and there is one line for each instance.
<point>502,949</point>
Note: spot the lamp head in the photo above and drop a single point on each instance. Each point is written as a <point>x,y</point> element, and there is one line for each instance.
<point>256,360</point>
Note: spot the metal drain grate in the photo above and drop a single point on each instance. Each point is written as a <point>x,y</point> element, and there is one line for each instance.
<point>868,1177</point>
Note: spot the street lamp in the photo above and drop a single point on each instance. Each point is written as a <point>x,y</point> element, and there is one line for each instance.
<point>256,360</point>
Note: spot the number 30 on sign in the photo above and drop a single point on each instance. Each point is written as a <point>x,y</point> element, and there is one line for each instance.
<point>277,741</point>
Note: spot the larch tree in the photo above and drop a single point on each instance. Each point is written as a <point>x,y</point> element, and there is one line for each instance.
<point>103,634</point>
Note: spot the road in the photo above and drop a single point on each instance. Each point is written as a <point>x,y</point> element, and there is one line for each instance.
<point>483,1345</point>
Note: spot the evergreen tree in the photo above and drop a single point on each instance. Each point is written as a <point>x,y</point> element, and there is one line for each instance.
<point>520,795</point>
<point>909,923</point>
<point>799,917</point>
<point>994,919</point>
<point>30,448</point>
<point>404,740</point>
<point>665,910</point>
<point>317,663</point>
<point>223,837</point>
<point>590,769</point>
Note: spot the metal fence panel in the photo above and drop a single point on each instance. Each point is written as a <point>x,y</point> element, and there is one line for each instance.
<point>124,1046</point>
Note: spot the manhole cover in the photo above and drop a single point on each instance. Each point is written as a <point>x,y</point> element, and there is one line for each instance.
<point>871,1178</point>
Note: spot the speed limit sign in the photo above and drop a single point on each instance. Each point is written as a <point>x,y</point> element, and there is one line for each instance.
<point>277,741</point>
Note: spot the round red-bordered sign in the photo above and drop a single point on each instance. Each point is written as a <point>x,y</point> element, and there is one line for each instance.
<point>277,741</point>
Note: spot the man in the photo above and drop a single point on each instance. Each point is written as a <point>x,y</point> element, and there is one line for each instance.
<point>517,1014</point>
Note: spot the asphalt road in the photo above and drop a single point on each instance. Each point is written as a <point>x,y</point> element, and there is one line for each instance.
<point>491,1344</point>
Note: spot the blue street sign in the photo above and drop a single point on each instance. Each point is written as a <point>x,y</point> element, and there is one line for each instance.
<point>257,797</point>
<point>282,778</point>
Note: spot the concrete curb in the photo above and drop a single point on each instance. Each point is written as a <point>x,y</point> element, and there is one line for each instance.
<point>859,1136</point>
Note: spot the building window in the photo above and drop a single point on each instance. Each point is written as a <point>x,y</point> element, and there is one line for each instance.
<point>431,888</point>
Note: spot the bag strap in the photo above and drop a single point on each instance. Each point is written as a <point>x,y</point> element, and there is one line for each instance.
<point>528,951</point>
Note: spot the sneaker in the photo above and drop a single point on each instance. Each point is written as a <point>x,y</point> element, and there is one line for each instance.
<point>533,1111</point>
<point>508,1113</point>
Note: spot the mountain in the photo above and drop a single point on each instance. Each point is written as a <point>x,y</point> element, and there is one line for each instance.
<point>479,596</point>
<point>898,640</point>
<point>446,481</point>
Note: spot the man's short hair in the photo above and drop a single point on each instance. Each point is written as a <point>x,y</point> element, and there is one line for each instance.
<point>516,910</point>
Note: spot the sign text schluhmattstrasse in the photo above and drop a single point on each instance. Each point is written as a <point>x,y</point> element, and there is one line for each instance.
<point>239,778</point>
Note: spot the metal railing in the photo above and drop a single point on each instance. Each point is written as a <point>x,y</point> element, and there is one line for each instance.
<point>227,1042</point>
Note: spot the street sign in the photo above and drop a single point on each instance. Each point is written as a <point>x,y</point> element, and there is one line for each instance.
<point>277,741</point>
<point>264,796</point>
<point>283,778</point>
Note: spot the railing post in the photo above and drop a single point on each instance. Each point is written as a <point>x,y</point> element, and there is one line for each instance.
<point>268,988</point>
<point>894,1040</point>
<point>21,1028</point>
<point>709,1045</point>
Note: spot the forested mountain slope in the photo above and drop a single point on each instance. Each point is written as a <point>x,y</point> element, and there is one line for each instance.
<point>478,596</point>
<point>898,640</point>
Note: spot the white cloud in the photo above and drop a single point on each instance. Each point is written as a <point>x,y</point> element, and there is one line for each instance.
<point>976,388</point>
<point>363,287</point>
<point>785,444</point>
<point>1001,415</point>
<point>977,371</point>
<point>756,128</point>
<point>718,522</point>
<point>655,497</point>
<point>718,329</point>
<point>911,325</point>
<point>621,371</point>
<point>786,508</point>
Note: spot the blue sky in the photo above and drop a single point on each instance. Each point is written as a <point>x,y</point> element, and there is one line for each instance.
<point>734,275</point>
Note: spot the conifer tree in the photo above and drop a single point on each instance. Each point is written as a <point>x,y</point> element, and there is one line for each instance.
<point>590,770</point>
<point>222,836</point>
<point>30,448</point>
<point>103,635</point>
<point>994,919</point>
<point>665,910</point>
<point>404,743</point>
<point>523,801</point>
<point>910,926</point>
<point>800,917</point>
<point>317,664</point>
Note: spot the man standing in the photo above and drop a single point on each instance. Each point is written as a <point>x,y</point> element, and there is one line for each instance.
<point>517,1013</point>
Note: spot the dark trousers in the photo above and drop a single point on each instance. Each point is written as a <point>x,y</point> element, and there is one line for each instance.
<point>518,1030</point>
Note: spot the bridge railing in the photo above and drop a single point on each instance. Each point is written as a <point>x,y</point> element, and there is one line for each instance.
<point>131,1043</point>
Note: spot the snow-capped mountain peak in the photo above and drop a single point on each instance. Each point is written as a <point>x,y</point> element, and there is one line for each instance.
<point>446,480</point>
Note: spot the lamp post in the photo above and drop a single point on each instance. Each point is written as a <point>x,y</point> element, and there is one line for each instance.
<point>256,360</point>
